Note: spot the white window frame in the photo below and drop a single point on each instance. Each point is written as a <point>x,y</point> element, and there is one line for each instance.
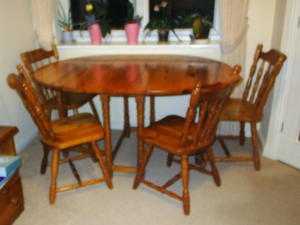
<point>142,9</point>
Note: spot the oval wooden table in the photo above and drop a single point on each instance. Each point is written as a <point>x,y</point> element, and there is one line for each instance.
<point>138,76</point>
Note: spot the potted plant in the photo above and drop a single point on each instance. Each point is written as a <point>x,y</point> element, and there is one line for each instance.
<point>96,20</point>
<point>162,22</point>
<point>132,26</point>
<point>64,21</point>
<point>201,26</point>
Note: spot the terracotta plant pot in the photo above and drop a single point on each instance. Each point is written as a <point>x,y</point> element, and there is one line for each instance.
<point>95,34</point>
<point>132,31</point>
<point>163,35</point>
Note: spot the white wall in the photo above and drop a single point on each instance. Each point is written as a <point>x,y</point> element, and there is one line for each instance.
<point>16,36</point>
<point>278,26</point>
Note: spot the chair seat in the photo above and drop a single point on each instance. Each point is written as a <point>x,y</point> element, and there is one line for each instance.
<point>237,110</point>
<point>75,130</point>
<point>166,133</point>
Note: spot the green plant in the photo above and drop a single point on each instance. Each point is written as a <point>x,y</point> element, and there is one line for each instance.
<point>64,20</point>
<point>161,19</point>
<point>96,12</point>
<point>200,24</point>
<point>131,18</point>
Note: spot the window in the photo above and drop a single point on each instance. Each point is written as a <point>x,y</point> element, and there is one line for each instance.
<point>117,15</point>
<point>184,8</point>
<point>116,11</point>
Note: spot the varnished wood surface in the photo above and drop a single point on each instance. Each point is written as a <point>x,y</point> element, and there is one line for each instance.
<point>62,135</point>
<point>265,69</point>
<point>11,195</point>
<point>7,132</point>
<point>135,75</point>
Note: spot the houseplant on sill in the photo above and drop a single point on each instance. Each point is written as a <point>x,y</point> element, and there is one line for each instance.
<point>162,22</point>
<point>96,21</point>
<point>132,26</point>
<point>200,25</point>
<point>64,21</point>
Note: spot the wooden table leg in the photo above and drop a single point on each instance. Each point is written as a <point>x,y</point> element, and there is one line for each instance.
<point>140,106</point>
<point>126,129</point>
<point>152,109</point>
<point>105,100</point>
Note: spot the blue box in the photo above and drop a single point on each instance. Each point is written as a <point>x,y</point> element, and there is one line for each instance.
<point>9,164</point>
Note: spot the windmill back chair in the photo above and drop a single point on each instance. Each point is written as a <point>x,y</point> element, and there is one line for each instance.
<point>184,137</point>
<point>54,100</point>
<point>263,73</point>
<point>62,135</point>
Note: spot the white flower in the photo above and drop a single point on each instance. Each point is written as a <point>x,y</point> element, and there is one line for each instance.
<point>156,8</point>
<point>164,4</point>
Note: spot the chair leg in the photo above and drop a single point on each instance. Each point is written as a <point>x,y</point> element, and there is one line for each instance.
<point>44,163</point>
<point>185,184</point>
<point>54,174</point>
<point>152,109</point>
<point>94,110</point>
<point>126,117</point>
<point>170,159</point>
<point>224,147</point>
<point>214,169</point>
<point>242,133</point>
<point>145,156</point>
<point>103,165</point>
<point>255,146</point>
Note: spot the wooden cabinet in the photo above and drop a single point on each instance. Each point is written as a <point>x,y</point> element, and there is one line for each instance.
<point>11,195</point>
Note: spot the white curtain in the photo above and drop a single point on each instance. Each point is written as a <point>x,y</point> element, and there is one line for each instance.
<point>234,25</point>
<point>43,15</point>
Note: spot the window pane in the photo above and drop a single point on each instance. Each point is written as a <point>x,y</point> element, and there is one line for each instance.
<point>186,7</point>
<point>116,12</point>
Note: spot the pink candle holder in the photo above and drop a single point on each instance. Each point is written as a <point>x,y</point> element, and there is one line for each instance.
<point>132,31</point>
<point>95,34</point>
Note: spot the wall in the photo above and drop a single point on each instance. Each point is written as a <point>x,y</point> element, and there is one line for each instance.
<point>16,36</point>
<point>275,42</point>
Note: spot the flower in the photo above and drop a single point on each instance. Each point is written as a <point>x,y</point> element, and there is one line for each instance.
<point>89,7</point>
<point>164,4</point>
<point>156,8</point>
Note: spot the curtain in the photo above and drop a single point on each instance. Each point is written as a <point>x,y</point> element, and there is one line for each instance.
<point>43,15</point>
<point>234,25</point>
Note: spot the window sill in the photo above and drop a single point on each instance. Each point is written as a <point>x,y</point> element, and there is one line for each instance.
<point>151,44</point>
<point>211,50</point>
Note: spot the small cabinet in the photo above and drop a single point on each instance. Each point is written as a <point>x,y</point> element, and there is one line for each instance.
<point>11,195</point>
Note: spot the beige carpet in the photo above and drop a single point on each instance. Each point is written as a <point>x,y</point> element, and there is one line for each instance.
<point>246,197</point>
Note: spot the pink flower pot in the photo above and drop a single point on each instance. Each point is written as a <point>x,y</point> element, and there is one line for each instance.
<point>132,31</point>
<point>95,34</point>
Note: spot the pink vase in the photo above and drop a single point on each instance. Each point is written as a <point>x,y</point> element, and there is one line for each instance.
<point>95,34</point>
<point>132,31</point>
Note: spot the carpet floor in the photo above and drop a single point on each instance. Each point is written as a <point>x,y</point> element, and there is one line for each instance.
<point>246,197</point>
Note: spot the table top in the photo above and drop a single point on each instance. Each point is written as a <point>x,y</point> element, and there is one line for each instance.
<point>136,75</point>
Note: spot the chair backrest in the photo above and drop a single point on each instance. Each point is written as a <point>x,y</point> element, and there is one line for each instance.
<point>33,60</point>
<point>204,110</point>
<point>32,103</point>
<point>263,73</point>
<point>37,58</point>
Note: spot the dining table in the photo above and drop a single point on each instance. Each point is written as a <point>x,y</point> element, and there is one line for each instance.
<point>137,76</point>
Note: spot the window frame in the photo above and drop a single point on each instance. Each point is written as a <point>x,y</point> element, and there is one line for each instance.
<point>142,8</point>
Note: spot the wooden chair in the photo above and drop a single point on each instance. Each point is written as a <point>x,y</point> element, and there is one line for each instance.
<point>184,137</point>
<point>54,100</point>
<point>249,109</point>
<point>32,60</point>
<point>62,135</point>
